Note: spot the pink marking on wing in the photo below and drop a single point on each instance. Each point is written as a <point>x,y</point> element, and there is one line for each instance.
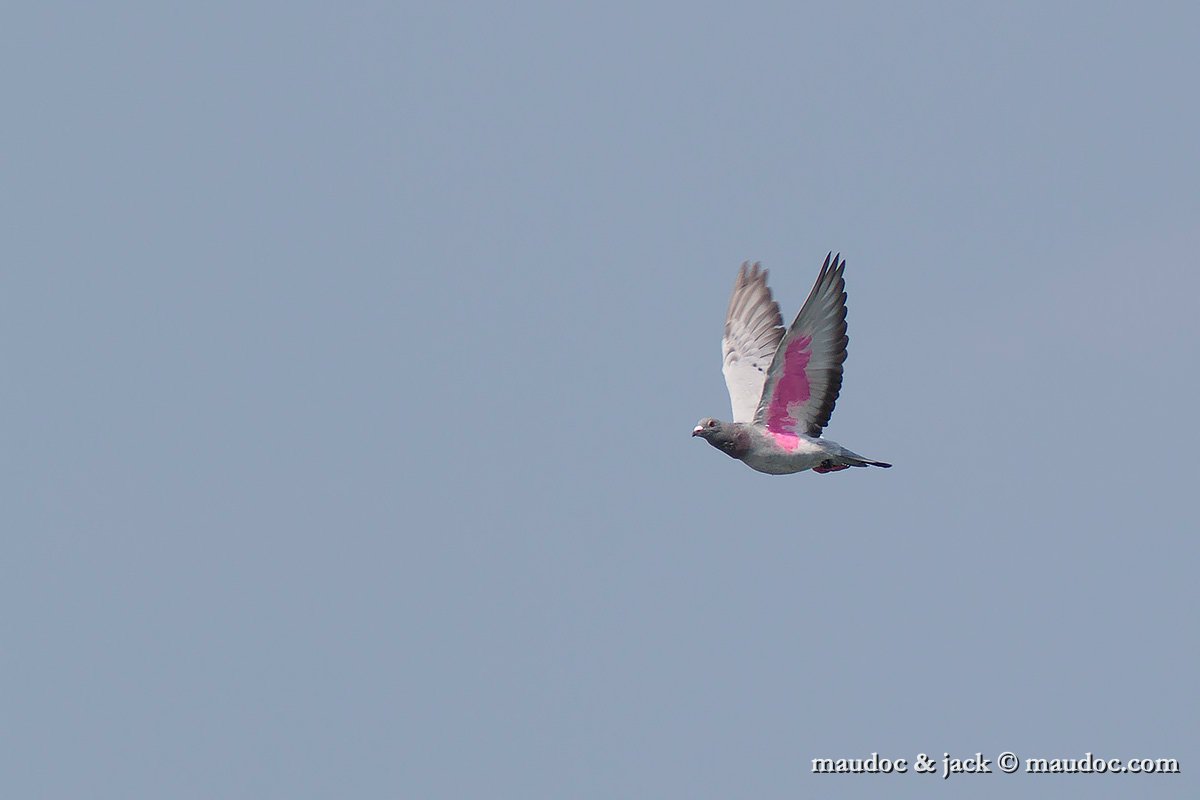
<point>792,387</point>
<point>787,441</point>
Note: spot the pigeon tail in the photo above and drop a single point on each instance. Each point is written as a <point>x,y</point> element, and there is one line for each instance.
<point>855,460</point>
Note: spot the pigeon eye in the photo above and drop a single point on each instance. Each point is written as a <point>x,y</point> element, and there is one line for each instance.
<point>712,423</point>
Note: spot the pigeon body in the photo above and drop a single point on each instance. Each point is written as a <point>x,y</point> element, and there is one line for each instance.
<point>783,383</point>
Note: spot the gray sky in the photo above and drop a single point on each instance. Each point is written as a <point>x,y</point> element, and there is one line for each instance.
<point>351,356</point>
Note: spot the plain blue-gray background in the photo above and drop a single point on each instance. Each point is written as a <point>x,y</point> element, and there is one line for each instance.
<point>350,354</point>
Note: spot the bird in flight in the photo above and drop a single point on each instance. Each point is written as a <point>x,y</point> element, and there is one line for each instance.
<point>783,383</point>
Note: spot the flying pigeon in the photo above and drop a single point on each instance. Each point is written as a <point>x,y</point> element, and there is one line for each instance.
<point>783,383</point>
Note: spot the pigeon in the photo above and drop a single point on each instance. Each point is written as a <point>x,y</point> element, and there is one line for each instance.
<point>783,383</point>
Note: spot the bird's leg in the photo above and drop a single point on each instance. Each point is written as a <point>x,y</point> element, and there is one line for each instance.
<point>828,466</point>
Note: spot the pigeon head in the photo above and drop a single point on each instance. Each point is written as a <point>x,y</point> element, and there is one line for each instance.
<point>728,437</point>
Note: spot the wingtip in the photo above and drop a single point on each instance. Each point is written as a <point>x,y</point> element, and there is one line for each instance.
<point>753,272</point>
<point>834,264</point>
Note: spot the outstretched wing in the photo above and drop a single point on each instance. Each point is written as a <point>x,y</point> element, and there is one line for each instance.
<point>753,329</point>
<point>806,375</point>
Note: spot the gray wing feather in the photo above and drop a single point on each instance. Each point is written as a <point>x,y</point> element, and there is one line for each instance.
<point>823,321</point>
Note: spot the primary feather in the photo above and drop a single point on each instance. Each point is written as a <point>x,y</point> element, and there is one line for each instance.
<point>753,330</point>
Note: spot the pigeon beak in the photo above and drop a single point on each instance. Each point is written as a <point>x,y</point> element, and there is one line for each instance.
<point>696,431</point>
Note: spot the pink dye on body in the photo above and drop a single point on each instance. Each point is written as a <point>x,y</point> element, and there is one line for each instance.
<point>787,441</point>
<point>792,387</point>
